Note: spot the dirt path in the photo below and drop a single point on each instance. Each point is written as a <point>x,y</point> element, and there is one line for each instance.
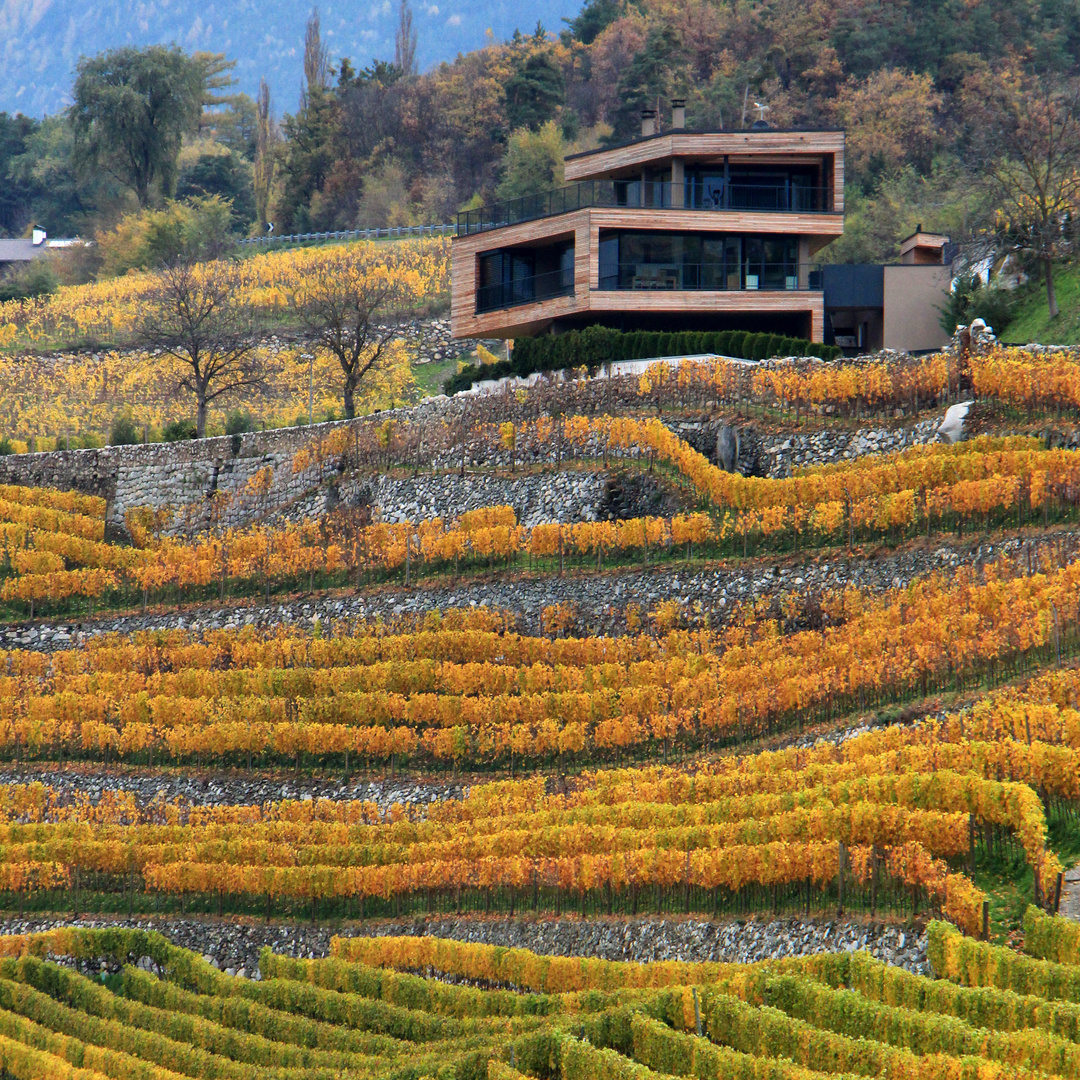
<point>1070,894</point>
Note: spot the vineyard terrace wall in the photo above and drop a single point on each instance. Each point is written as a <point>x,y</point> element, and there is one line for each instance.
<point>183,475</point>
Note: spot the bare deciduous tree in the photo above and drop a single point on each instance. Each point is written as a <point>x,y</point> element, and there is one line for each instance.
<point>405,40</point>
<point>193,314</point>
<point>353,309</point>
<point>1028,161</point>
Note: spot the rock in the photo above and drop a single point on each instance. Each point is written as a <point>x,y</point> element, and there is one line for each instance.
<point>727,448</point>
<point>951,429</point>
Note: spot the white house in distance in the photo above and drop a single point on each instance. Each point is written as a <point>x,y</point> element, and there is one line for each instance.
<point>14,253</point>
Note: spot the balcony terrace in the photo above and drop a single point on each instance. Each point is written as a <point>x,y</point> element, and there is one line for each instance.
<point>789,196</point>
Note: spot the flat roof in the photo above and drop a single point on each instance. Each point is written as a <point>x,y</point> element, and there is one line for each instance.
<point>704,131</point>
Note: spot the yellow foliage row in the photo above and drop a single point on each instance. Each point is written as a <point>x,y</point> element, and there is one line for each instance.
<point>106,309</point>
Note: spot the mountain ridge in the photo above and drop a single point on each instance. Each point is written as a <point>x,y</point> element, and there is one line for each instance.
<point>43,39</point>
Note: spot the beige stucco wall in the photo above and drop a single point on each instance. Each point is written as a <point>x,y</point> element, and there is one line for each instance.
<point>914,296</point>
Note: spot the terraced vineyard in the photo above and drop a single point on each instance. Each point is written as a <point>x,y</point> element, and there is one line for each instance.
<point>653,655</point>
<point>164,1012</point>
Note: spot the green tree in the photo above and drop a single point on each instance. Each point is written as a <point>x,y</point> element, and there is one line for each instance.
<point>131,110</point>
<point>227,176</point>
<point>63,198</point>
<point>650,76</point>
<point>535,89</point>
<point>593,19</point>
<point>308,154</point>
<point>534,162</point>
<point>16,193</point>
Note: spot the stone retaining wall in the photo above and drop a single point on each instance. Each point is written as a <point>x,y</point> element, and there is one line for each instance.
<point>183,475</point>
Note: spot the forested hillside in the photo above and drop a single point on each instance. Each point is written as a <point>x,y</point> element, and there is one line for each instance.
<point>949,111</point>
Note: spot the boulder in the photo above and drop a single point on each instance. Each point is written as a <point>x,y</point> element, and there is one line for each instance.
<point>951,429</point>
<point>727,448</point>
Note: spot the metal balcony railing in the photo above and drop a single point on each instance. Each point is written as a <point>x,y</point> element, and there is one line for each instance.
<point>736,196</point>
<point>526,290</point>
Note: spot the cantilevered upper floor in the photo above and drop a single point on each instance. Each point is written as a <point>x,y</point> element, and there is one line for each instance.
<point>760,170</point>
<point>710,228</point>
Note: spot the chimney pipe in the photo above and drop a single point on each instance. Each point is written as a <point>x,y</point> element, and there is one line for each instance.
<point>648,122</point>
<point>678,113</point>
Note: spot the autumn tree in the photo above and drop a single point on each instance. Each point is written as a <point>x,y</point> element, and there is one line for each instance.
<point>1026,139</point>
<point>354,311</point>
<point>890,119</point>
<point>266,139</point>
<point>194,315</point>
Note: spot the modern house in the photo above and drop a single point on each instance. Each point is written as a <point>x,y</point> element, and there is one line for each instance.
<point>675,230</point>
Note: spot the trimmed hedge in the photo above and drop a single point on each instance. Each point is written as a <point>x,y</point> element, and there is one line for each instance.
<point>599,345</point>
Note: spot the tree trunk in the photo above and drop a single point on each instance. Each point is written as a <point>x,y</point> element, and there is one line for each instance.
<point>348,400</point>
<point>200,416</point>
<point>1051,292</point>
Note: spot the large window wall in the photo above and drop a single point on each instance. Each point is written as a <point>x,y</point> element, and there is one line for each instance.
<point>524,275</point>
<point>688,261</point>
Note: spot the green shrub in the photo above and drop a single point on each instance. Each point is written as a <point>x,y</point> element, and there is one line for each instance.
<point>598,345</point>
<point>6,447</point>
<point>238,422</point>
<point>178,431</point>
<point>35,278</point>
<point>123,431</point>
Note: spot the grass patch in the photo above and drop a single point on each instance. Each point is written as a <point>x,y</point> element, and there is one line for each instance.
<point>1032,320</point>
<point>430,377</point>
<point>1003,873</point>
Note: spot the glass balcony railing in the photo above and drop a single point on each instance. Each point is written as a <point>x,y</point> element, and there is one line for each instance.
<point>790,197</point>
<point>710,277</point>
<point>525,290</point>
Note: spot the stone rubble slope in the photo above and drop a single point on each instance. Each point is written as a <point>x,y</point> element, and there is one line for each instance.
<point>233,947</point>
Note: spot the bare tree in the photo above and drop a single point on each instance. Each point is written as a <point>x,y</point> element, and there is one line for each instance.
<point>1028,161</point>
<point>316,59</point>
<point>353,308</point>
<point>193,314</point>
<point>405,40</point>
<point>266,138</point>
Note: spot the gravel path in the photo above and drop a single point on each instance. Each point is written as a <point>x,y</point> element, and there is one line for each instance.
<point>234,947</point>
<point>601,598</point>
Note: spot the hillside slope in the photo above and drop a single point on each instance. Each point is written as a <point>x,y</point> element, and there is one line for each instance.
<point>1032,321</point>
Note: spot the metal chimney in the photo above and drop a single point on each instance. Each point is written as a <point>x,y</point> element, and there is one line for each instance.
<point>648,122</point>
<point>678,113</point>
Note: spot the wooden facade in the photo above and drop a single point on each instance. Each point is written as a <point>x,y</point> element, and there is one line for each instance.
<point>589,303</point>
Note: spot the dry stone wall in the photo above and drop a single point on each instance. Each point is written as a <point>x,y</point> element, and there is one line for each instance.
<point>184,475</point>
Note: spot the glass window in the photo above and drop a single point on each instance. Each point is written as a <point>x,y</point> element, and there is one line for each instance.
<point>609,262</point>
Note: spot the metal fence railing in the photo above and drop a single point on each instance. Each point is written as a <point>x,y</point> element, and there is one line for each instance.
<point>647,194</point>
<point>397,232</point>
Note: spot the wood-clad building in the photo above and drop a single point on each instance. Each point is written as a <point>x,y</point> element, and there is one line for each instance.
<point>680,230</point>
